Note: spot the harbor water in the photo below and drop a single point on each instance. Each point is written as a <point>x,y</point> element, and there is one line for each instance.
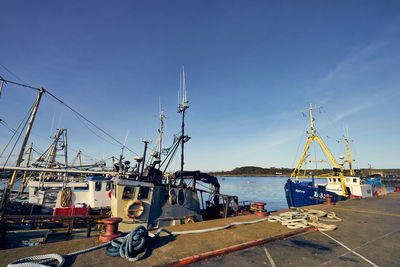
<point>264,189</point>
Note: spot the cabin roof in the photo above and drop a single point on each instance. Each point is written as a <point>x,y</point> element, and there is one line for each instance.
<point>95,178</point>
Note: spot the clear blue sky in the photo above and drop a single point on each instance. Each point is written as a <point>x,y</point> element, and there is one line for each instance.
<point>251,66</point>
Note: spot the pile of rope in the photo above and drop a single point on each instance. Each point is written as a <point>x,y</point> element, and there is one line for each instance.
<point>131,245</point>
<point>302,218</point>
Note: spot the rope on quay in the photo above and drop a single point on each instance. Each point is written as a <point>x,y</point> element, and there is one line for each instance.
<point>47,258</point>
<point>136,244</point>
<point>304,218</point>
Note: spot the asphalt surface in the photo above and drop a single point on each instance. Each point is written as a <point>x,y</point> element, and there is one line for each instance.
<point>369,235</point>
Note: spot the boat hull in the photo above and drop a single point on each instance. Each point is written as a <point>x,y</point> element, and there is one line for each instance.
<point>304,194</point>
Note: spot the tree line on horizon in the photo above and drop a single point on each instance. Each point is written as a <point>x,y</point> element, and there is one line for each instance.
<point>259,171</point>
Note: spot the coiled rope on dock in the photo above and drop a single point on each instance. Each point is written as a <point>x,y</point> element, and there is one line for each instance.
<point>302,218</point>
<point>131,245</point>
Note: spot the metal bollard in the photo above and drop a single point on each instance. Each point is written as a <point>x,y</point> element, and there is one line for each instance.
<point>111,230</point>
<point>260,209</point>
<point>329,200</point>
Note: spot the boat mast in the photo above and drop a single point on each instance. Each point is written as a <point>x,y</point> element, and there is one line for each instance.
<point>348,156</point>
<point>8,190</point>
<point>158,145</point>
<point>146,142</point>
<point>347,140</point>
<point>182,106</point>
<point>27,165</point>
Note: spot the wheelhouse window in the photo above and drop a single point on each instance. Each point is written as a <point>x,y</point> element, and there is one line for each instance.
<point>128,193</point>
<point>97,186</point>
<point>181,197</point>
<point>354,180</point>
<point>143,192</point>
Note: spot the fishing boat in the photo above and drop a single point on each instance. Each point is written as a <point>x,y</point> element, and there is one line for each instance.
<point>51,190</point>
<point>338,186</point>
<point>154,198</point>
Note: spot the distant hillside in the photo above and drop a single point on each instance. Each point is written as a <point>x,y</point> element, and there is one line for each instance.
<point>258,171</point>
<point>254,171</point>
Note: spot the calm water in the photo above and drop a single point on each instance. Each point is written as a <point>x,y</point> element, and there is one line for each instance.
<point>265,189</point>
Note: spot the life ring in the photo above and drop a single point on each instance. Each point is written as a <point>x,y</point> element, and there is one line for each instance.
<point>109,194</point>
<point>135,209</point>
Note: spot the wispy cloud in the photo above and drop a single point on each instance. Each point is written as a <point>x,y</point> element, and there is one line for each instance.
<point>353,110</point>
<point>354,63</point>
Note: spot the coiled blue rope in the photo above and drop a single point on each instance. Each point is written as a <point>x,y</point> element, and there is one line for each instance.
<point>135,243</point>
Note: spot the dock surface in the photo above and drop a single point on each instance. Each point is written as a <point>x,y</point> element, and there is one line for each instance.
<point>369,234</point>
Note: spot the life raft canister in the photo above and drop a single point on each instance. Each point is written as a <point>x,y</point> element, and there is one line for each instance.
<point>135,209</point>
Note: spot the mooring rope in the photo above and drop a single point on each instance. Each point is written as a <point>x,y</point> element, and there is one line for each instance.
<point>304,218</point>
<point>47,258</point>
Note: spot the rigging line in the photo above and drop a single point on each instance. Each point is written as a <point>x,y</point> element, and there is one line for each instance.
<point>331,121</point>
<point>12,73</point>
<point>83,154</point>
<point>94,131</point>
<point>19,136</point>
<point>300,139</point>
<point>73,110</point>
<point>6,125</point>
<point>16,131</point>
<point>21,84</point>
<point>93,124</point>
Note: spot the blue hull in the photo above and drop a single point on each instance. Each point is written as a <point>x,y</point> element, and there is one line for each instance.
<point>304,194</point>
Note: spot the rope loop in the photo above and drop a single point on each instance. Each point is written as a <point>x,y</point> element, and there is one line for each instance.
<point>135,243</point>
<point>47,258</point>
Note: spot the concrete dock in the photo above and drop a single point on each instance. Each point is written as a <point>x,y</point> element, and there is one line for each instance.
<point>369,234</point>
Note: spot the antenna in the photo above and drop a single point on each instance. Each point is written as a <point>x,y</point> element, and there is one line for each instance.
<point>123,146</point>
<point>181,109</point>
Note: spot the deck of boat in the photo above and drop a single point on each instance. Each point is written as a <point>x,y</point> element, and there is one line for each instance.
<point>370,228</point>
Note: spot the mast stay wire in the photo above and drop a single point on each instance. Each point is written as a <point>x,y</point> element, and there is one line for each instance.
<point>19,136</point>
<point>16,131</point>
<point>331,121</point>
<point>300,139</point>
<point>15,75</point>
<point>73,110</point>
<point>39,151</point>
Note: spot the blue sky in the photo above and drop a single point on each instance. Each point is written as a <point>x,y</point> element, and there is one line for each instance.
<point>251,66</point>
